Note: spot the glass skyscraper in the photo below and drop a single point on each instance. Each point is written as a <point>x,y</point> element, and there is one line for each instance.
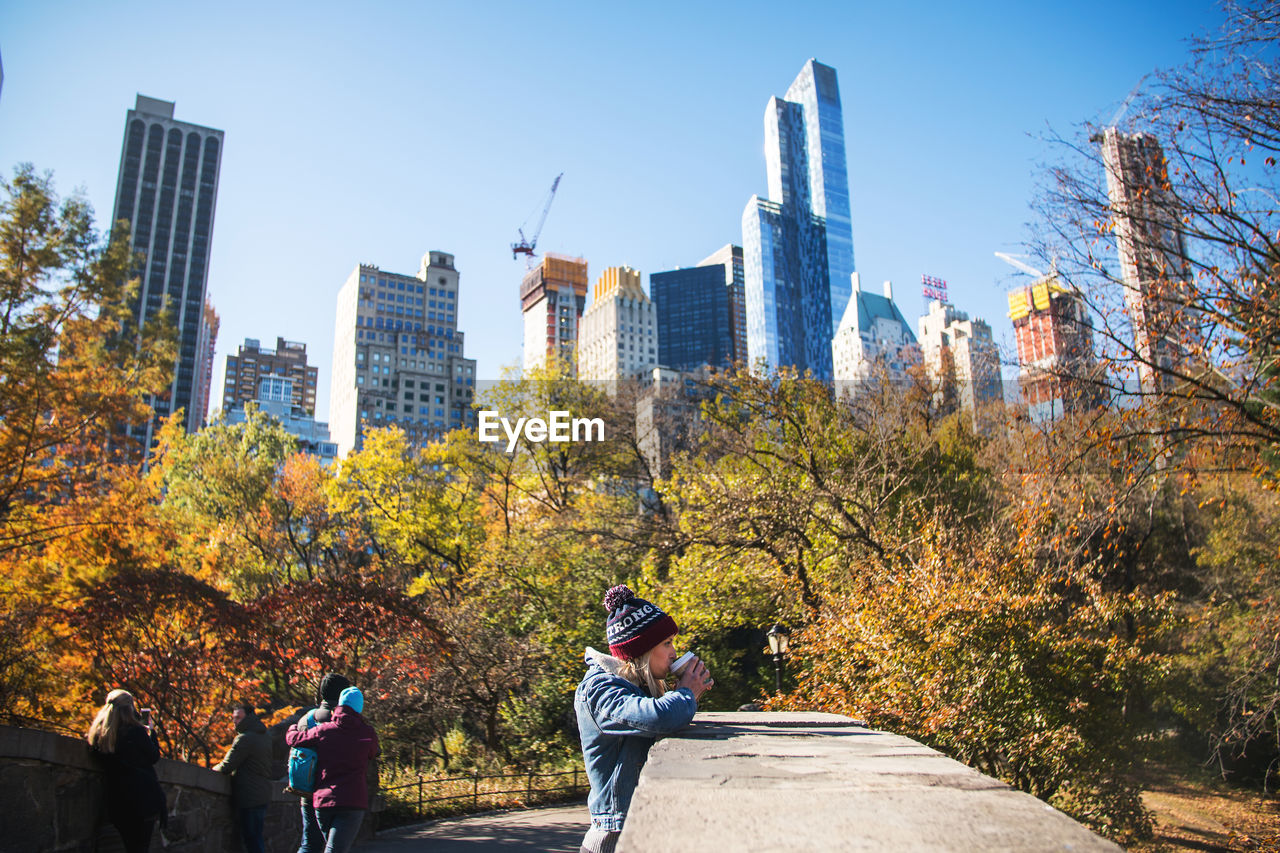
<point>700,313</point>
<point>167,190</point>
<point>798,244</point>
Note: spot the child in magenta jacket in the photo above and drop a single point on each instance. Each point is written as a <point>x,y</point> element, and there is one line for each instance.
<point>344,747</point>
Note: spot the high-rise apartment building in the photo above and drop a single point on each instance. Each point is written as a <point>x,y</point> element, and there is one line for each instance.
<point>281,384</point>
<point>961,351</point>
<point>398,355</point>
<point>619,335</point>
<point>167,190</point>
<point>553,296</point>
<point>873,337</point>
<point>252,364</point>
<point>798,244</point>
<point>1055,350</point>
<point>702,313</point>
<point>1154,267</point>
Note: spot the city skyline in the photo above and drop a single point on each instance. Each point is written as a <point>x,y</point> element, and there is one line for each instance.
<point>337,155</point>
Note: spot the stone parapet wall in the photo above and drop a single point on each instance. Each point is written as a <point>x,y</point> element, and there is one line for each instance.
<point>51,789</point>
<point>747,782</point>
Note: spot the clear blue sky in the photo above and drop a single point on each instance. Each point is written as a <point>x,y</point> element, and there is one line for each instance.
<point>375,132</point>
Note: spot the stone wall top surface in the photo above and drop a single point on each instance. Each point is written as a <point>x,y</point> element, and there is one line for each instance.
<point>796,782</point>
<point>35,745</point>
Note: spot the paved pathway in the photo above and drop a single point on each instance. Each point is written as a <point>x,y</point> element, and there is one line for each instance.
<point>555,829</point>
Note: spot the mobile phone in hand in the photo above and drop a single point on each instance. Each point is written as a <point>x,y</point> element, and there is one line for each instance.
<point>146,716</point>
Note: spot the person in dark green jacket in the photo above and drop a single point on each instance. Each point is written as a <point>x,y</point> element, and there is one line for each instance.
<point>249,763</point>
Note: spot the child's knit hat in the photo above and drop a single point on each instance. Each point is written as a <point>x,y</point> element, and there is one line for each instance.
<point>634,625</point>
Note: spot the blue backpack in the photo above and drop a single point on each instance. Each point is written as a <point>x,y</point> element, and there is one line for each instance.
<point>302,771</point>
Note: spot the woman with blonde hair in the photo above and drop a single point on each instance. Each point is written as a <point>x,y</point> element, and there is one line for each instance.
<point>623,706</point>
<point>126,745</point>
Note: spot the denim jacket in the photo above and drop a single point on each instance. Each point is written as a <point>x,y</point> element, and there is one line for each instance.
<point>618,722</point>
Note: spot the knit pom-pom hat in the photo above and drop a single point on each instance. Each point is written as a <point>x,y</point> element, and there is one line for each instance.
<point>634,625</point>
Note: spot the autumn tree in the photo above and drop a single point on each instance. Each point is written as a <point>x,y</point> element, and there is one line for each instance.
<point>71,379</point>
<point>1190,337</point>
<point>165,636</point>
<point>935,580</point>
<point>384,640</point>
<point>794,480</point>
<point>71,376</point>
<point>989,646</point>
<point>116,609</point>
<point>251,507</point>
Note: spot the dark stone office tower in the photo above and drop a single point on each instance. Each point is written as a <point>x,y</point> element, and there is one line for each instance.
<point>167,190</point>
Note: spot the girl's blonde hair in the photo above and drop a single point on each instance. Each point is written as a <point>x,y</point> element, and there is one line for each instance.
<point>117,712</point>
<point>637,671</point>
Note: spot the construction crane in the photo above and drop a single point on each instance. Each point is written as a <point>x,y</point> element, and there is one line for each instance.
<point>1124,105</point>
<point>1012,260</point>
<point>1119,114</point>
<point>526,246</point>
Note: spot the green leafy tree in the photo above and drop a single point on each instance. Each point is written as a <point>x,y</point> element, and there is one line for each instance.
<point>418,508</point>
<point>220,486</point>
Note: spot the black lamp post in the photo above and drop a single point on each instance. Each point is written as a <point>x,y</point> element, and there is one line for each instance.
<point>778,636</point>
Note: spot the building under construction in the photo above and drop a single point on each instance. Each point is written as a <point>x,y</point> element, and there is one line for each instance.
<point>1058,373</point>
<point>553,296</point>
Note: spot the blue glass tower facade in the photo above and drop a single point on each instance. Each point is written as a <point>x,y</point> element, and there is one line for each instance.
<point>700,313</point>
<point>798,244</point>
